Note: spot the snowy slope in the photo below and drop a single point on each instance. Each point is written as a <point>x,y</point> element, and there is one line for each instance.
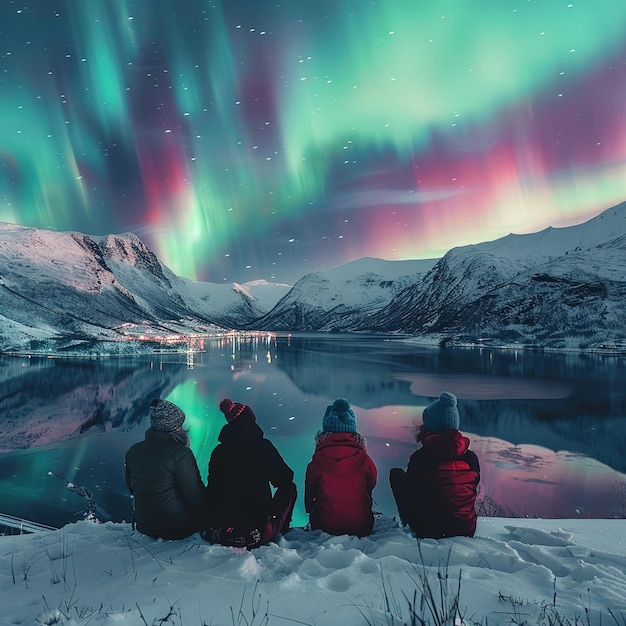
<point>514,571</point>
<point>73,287</point>
<point>561,288</point>
<point>59,283</point>
<point>265,293</point>
<point>557,288</point>
<point>340,297</point>
<point>230,306</point>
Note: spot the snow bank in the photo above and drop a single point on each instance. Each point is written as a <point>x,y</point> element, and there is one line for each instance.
<point>109,574</point>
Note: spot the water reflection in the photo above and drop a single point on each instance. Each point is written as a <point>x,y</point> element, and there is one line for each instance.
<point>550,430</point>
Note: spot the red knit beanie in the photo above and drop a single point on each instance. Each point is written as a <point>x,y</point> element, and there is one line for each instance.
<point>232,410</point>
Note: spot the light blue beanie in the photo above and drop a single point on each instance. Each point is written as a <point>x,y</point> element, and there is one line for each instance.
<point>442,414</point>
<point>339,417</point>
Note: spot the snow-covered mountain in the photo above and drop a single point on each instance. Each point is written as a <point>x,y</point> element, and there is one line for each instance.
<point>73,287</point>
<point>265,293</point>
<point>340,298</point>
<point>561,287</point>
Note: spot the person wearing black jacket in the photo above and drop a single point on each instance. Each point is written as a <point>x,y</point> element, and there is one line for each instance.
<point>241,510</point>
<point>162,474</point>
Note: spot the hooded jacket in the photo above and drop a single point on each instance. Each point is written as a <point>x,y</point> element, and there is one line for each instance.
<point>338,485</point>
<point>241,468</point>
<point>440,487</point>
<point>162,474</point>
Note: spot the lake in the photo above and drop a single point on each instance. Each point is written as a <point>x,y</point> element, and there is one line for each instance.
<point>549,428</point>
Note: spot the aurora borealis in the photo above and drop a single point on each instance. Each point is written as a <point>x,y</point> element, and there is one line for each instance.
<point>246,140</point>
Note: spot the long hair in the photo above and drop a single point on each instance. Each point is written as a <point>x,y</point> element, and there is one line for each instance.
<point>420,433</point>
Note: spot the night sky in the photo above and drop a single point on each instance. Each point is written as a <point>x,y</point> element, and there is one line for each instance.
<point>247,140</point>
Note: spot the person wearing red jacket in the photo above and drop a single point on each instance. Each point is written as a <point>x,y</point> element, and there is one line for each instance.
<point>437,493</point>
<point>340,477</point>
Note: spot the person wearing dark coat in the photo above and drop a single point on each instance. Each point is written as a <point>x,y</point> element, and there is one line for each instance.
<point>162,474</point>
<point>436,495</point>
<point>241,510</point>
<point>341,476</point>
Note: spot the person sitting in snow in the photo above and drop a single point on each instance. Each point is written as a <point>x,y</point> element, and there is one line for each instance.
<point>340,477</point>
<point>162,474</point>
<point>241,510</point>
<point>437,493</point>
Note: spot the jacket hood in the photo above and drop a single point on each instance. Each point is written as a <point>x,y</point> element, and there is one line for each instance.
<point>449,444</point>
<point>340,452</point>
<point>241,431</point>
<point>324,438</point>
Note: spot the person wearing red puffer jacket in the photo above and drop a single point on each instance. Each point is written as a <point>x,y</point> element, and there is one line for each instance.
<point>340,477</point>
<point>436,495</point>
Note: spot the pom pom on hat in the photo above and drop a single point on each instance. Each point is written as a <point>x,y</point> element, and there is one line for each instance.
<point>165,415</point>
<point>442,414</point>
<point>339,417</point>
<point>232,410</point>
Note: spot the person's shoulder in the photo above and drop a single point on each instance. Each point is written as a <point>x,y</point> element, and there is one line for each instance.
<point>138,445</point>
<point>419,458</point>
<point>471,458</point>
<point>368,457</point>
<point>418,453</point>
<point>267,444</point>
<point>179,454</point>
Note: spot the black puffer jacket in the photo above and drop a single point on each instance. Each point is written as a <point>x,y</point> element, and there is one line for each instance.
<point>162,474</point>
<point>241,468</point>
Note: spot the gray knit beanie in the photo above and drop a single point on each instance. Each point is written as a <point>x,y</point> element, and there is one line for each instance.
<point>442,414</point>
<point>165,415</point>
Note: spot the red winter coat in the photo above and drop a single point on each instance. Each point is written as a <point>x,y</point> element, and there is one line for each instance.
<point>338,485</point>
<point>440,487</point>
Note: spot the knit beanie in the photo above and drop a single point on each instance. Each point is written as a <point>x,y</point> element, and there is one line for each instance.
<point>441,414</point>
<point>339,417</point>
<point>232,410</point>
<point>165,415</point>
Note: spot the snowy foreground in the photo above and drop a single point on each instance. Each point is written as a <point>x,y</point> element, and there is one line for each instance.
<point>521,571</point>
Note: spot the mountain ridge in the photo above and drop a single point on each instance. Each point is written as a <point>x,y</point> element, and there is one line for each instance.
<point>561,290</point>
<point>557,288</point>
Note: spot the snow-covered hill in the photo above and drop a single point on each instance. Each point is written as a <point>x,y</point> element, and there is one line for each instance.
<point>75,288</point>
<point>559,288</point>
<point>562,287</point>
<point>340,298</point>
<point>514,571</point>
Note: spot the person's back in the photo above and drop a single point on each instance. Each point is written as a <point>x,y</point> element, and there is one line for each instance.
<point>340,477</point>
<point>441,483</point>
<point>241,469</point>
<point>436,495</point>
<point>162,475</point>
